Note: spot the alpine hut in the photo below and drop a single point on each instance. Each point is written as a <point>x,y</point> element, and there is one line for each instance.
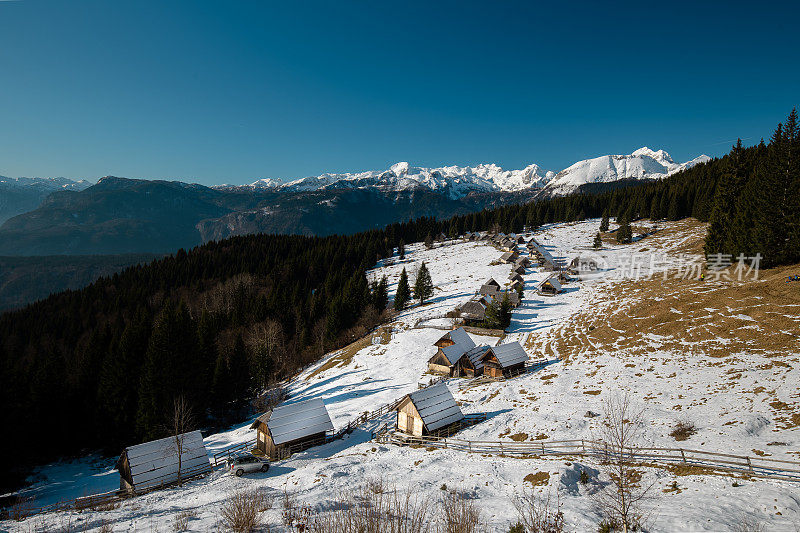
<point>516,277</point>
<point>292,428</point>
<point>504,360</point>
<point>582,264</point>
<point>428,411</point>
<point>490,287</point>
<point>509,257</point>
<point>456,336</point>
<point>473,311</point>
<point>549,287</point>
<point>157,463</point>
<point>518,269</point>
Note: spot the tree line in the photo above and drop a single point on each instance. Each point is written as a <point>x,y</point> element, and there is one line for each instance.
<point>100,367</point>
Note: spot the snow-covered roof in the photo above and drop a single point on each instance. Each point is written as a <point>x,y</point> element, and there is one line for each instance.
<point>156,462</point>
<point>436,406</point>
<point>298,420</point>
<point>510,354</point>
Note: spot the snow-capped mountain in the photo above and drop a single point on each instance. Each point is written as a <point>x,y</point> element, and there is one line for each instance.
<point>45,184</point>
<point>454,181</point>
<point>644,163</point>
<point>457,182</point>
<point>18,195</point>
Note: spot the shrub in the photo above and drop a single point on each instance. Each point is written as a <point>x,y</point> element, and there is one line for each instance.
<point>539,514</point>
<point>459,514</point>
<point>683,430</point>
<point>240,512</point>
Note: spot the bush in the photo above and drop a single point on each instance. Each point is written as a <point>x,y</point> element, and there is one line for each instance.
<point>240,512</point>
<point>683,430</point>
<point>459,514</point>
<point>539,514</point>
<point>366,512</point>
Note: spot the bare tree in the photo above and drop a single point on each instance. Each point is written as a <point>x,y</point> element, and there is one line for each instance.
<point>181,421</point>
<point>622,501</point>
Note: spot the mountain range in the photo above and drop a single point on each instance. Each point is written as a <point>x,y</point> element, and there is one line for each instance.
<point>123,216</point>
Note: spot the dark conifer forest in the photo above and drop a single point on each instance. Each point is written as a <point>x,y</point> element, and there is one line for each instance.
<point>99,368</point>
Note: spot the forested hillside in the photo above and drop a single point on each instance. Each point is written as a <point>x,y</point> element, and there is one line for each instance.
<point>757,208</point>
<point>100,367</point>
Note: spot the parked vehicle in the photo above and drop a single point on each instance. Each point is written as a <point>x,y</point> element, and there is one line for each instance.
<point>247,462</point>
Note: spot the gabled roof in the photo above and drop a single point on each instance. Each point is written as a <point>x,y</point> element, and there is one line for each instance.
<point>552,281</point>
<point>491,281</point>
<point>460,337</point>
<point>509,354</point>
<point>298,420</point>
<point>475,355</point>
<point>488,290</point>
<point>156,462</point>
<point>516,277</point>
<point>436,406</point>
<point>453,353</point>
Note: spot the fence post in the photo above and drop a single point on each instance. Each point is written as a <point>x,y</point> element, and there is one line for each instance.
<point>749,464</point>
<point>501,447</point>
<point>469,443</point>
<point>683,455</point>
<point>543,448</point>
<point>583,446</point>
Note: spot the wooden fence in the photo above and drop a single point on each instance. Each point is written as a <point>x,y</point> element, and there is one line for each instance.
<point>751,465</point>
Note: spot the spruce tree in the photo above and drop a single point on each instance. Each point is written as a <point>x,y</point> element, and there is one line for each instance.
<point>624,232</point>
<point>380,294</point>
<point>423,287</point>
<point>604,221</point>
<point>401,250</point>
<point>598,241</point>
<point>504,314</point>
<point>403,294</point>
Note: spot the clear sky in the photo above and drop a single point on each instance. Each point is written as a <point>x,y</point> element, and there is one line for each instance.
<point>229,92</point>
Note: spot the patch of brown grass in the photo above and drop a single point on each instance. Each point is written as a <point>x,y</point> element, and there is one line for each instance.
<point>538,478</point>
<point>519,437</point>
<point>683,430</point>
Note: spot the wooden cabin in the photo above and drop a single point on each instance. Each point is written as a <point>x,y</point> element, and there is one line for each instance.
<point>514,287</point>
<point>155,464</point>
<point>516,277</point>
<point>549,287</point>
<point>582,264</point>
<point>456,361</point>
<point>518,270</point>
<point>509,257</point>
<point>563,277</point>
<point>456,336</point>
<point>291,428</point>
<point>428,411</point>
<point>490,287</point>
<point>504,360</point>
<point>523,261</point>
<point>520,240</point>
<point>473,311</point>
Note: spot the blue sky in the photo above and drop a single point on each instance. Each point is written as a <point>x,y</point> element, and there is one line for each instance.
<point>230,92</point>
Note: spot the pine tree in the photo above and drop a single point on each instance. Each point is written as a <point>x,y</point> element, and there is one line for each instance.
<point>401,250</point>
<point>423,287</point>
<point>380,294</point>
<point>598,241</point>
<point>604,221</point>
<point>624,232</point>
<point>428,241</point>
<point>403,294</point>
<point>504,314</point>
<point>240,368</point>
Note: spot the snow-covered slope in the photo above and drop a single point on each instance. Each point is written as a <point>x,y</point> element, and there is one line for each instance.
<point>457,181</point>
<point>644,163</point>
<point>720,394</point>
